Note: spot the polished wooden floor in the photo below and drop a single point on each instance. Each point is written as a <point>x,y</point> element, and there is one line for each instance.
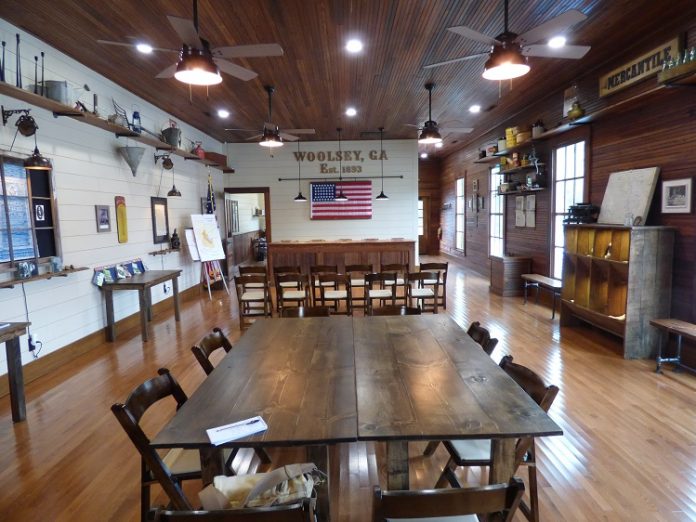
<point>628,453</point>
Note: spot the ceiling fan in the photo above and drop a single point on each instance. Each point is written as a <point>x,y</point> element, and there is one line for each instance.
<point>430,132</point>
<point>198,64</point>
<point>271,136</point>
<point>509,51</point>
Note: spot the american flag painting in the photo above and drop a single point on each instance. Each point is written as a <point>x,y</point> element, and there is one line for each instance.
<point>358,206</point>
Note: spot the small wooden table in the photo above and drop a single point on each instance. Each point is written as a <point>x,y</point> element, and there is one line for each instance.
<point>679,328</point>
<point>539,281</point>
<point>142,283</point>
<point>10,335</point>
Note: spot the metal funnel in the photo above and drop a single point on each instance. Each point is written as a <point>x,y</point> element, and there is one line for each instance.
<point>132,155</point>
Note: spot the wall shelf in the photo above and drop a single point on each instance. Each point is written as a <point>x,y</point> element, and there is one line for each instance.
<point>164,251</point>
<point>58,109</point>
<point>48,275</point>
<point>521,192</point>
<point>515,170</point>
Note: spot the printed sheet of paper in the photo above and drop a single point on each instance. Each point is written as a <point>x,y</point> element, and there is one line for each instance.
<point>236,430</point>
<point>205,230</point>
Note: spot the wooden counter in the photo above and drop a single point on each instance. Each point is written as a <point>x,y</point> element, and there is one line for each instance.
<point>341,253</point>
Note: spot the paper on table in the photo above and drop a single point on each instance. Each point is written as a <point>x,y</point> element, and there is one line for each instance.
<point>236,430</point>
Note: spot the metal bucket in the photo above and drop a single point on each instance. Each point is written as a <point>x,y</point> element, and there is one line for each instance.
<point>57,91</point>
<point>172,135</point>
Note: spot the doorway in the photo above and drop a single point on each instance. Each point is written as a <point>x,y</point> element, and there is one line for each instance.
<point>247,226</point>
<point>424,232</point>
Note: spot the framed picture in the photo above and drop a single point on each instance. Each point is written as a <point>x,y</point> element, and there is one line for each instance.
<point>160,220</point>
<point>676,196</point>
<point>103,218</point>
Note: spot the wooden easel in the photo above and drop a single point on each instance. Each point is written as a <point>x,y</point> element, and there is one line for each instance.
<point>216,264</point>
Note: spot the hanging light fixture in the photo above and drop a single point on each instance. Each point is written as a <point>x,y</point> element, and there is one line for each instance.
<point>299,198</point>
<point>36,161</point>
<point>430,132</point>
<point>340,196</point>
<point>196,67</point>
<point>506,62</point>
<point>271,136</point>
<point>382,196</point>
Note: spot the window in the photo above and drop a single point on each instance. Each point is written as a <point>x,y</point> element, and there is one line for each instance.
<point>420,217</point>
<point>497,222</point>
<point>459,216</point>
<point>26,212</point>
<point>568,189</point>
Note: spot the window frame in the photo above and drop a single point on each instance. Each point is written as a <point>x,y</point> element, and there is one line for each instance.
<point>496,199</point>
<point>460,204</point>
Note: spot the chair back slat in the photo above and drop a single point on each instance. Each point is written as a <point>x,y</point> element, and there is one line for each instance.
<point>395,310</point>
<point>306,311</point>
<point>206,346</point>
<point>482,336</point>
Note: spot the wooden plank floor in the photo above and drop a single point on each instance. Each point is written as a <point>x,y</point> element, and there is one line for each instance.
<point>628,452</point>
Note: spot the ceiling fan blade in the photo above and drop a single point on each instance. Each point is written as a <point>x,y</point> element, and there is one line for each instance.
<point>574,52</point>
<point>551,28</point>
<point>235,70</point>
<point>243,130</point>
<point>462,130</point>
<point>254,137</point>
<point>301,131</point>
<point>248,51</point>
<point>419,127</point>
<point>168,72</point>
<point>455,60</point>
<point>186,31</point>
<point>288,137</point>
<point>132,46</point>
<point>469,33</point>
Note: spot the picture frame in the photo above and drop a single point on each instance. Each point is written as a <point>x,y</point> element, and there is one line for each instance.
<point>676,196</point>
<point>160,220</point>
<point>102,216</point>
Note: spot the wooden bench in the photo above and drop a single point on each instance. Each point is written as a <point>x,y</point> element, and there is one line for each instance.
<point>679,328</point>
<point>547,283</point>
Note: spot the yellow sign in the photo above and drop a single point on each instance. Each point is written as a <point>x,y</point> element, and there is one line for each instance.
<point>638,69</point>
<point>121,220</point>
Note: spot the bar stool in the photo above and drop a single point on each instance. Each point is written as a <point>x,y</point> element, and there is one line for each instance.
<point>314,272</point>
<point>441,269</point>
<point>330,290</point>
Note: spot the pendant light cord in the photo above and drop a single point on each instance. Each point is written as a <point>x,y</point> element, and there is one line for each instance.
<point>299,168</point>
<point>340,157</point>
<point>381,154</point>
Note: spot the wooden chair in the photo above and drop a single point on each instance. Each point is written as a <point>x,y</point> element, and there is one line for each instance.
<point>254,301</point>
<point>383,292</point>
<point>357,280</point>
<point>168,470</point>
<point>441,269</point>
<point>314,273</point>
<point>482,336</point>
<point>202,350</point>
<point>280,270</point>
<point>298,512</point>
<point>478,452</point>
<point>307,311</point>
<point>334,288</point>
<point>418,289</point>
<point>211,342</point>
<point>292,288</point>
<point>395,310</point>
<point>457,505</point>
<point>401,271</point>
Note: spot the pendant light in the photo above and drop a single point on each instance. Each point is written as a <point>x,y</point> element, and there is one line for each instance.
<point>36,161</point>
<point>340,196</point>
<point>506,60</point>
<point>382,196</point>
<point>196,67</point>
<point>430,133</point>
<point>299,198</point>
<point>271,137</point>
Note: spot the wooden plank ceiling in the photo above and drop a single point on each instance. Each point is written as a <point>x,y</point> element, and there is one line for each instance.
<point>317,79</point>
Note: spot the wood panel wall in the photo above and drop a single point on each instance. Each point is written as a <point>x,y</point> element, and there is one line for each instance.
<point>656,130</point>
<point>429,190</point>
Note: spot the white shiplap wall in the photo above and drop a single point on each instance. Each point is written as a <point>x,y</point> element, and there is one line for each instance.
<point>396,217</point>
<point>88,171</point>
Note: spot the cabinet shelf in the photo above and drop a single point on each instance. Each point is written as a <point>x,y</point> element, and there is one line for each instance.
<point>488,159</point>
<point>521,192</point>
<point>48,275</point>
<point>515,170</point>
<point>58,109</point>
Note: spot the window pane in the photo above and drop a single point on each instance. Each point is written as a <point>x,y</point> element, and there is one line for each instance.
<point>559,239</point>
<point>460,240</point>
<point>460,187</point>
<point>560,164</point>
<point>579,190</point>
<point>580,159</point>
<point>569,195</point>
<point>558,263</point>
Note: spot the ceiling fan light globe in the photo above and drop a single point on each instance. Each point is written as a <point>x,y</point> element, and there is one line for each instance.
<point>505,64</point>
<point>195,67</point>
<point>144,48</point>
<point>271,139</point>
<point>430,133</point>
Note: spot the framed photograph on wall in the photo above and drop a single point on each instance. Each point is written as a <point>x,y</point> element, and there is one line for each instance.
<point>676,196</point>
<point>103,218</point>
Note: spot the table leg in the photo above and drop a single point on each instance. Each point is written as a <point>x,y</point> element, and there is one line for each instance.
<point>212,464</point>
<point>110,322</point>
<point>658,358</point>
<point>502,460</point>
<point>15,377</point>
<point>553,306</point>
<point>175,288</point>
<point>397,464</point>
<point>319,455</point>
<point>525,292</point>
<point>148,298</point>
<point>143,313</point>
<point>679,350</point>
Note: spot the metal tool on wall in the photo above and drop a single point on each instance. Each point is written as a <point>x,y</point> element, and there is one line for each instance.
<point>19,66</point>
<point>36,67</point>
<point>42,73</point>
<point>2,65</point>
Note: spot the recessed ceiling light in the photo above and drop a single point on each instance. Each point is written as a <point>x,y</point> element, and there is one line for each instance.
<point>144,48</point>
<point>475,108</point>
<point>557,42</point>
<point>439,145</point>
<point>424,155</point>
<point>354,46</point>
<point>223,113</point>
<point>350,111</point>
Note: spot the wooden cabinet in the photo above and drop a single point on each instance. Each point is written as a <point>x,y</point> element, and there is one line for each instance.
<point>506,274</point>
<point>618,278</point>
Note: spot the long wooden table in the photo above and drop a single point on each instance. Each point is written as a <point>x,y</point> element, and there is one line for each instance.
<point>320,381</point>
<point>10,334</point>
<point>142,283</point>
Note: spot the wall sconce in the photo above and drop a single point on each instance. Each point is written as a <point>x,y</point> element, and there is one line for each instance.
<point>26,125</point>
<point>167,162</point>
